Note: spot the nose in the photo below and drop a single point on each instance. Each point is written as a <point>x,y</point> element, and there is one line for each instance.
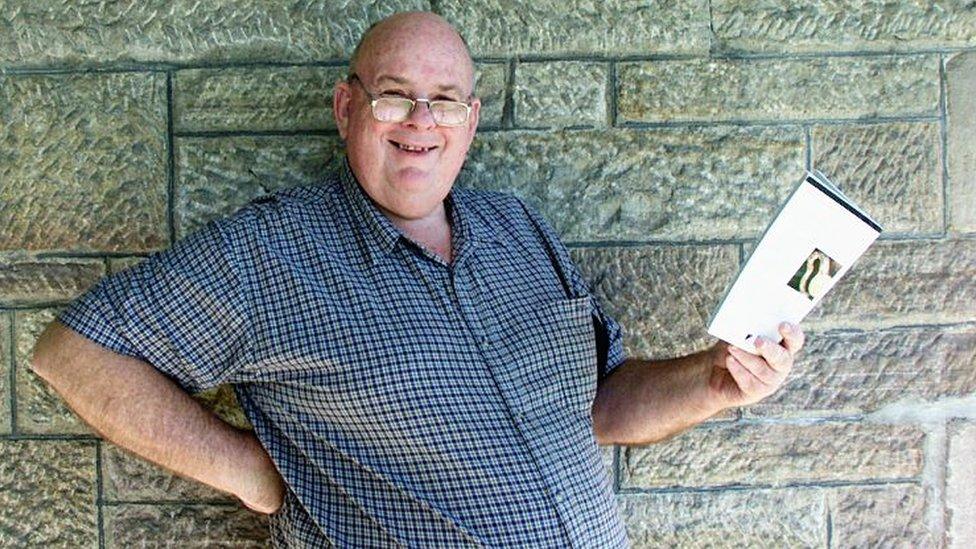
<point>421,117</point>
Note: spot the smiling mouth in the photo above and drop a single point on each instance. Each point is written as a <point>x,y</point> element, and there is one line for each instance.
<point>411,148</point>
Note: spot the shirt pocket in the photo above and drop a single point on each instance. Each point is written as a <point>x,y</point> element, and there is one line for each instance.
<point>549,355</point>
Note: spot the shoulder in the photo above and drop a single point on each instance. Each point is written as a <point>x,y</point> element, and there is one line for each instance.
<point>496,207</point>
<point>283,207</point>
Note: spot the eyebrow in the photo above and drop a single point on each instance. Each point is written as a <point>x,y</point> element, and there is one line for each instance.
<point>404,82</point>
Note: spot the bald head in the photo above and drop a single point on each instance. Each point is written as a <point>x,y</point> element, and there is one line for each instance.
<point>401,31</point>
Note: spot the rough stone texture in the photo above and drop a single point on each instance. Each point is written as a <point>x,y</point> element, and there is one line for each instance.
<point>775,454</point>
<point>560,93</point>
<point>37,281</point>
<point>843,25</point>
<point>132,525</point>
<point>892,171</point>
<point>747,518</point>
<point>216,176</point>
<point>780,89</point>
<point>128,477</point>
<point>47,494</point>
<point>899,283</point>
<point>682,184</point>
<point>961,485</point>
<point>489,85</point>
<point>879,516</point>
<point>117,264</point>
<point>961,105</point>
<point>52,33</point>
<point>845,373</point>
<point>40,410</point>
<point>82,160</point>
<point>5,358</point>
<point>618,27</point>
<point>662,296</point>
<point>255,99</point>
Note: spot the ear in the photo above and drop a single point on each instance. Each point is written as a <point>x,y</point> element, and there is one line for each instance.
<point>473,118</point>
<point>341,100</point>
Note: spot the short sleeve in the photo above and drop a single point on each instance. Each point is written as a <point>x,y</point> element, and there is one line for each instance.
<point>183,310</point>
<point>608,334</point>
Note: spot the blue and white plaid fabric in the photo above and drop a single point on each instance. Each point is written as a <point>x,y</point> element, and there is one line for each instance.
<point>406,402</point>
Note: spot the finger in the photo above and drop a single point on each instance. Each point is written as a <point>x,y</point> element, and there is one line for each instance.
<point>748,383</point>
<point>755,365</point>
<point>776,356</point>
<point>793,337</point>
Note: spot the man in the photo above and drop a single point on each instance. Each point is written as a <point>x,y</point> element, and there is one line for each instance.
<point>422,365</point>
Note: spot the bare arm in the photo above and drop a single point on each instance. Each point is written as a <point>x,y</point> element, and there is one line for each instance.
<point>645,401</point>
<point>135,406</point>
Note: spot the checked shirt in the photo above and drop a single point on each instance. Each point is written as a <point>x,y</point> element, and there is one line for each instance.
<point>406,402</point>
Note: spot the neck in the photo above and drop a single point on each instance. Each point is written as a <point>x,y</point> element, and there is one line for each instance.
<point>432,231</point>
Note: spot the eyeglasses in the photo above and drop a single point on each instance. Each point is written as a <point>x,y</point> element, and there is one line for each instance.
<point>398,109</point>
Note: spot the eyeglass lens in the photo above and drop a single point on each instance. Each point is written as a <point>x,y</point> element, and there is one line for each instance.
<point>445,113</point>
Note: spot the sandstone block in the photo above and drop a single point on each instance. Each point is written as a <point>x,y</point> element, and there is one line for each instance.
<point>893,171</point>
<point>82,160</point>
<point>189,31</point>
<point>845,25</point>
<point>131,525</point>
<point>489,86</point>
<point>5,358</point>
<point>40,410</point>
<point>742,518</point>
<point>960,485</point>
<point>560,93</point>
<point>662,296</point>
<point>907,282</point>
<point>843,373</point>
<point>777,89</point>
<point>879,516</point>
<point>674,184</point>
<point>44,281</point>
<point>216,176</point>
<point>548,26</point>
<point>961,105</point>
<point>47,494</point>
<point>255,99</point>
<point>775,454</point>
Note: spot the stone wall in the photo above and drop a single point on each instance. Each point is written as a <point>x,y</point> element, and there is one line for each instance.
<point>658,137</point>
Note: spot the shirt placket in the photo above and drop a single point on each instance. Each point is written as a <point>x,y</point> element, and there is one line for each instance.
<point>461,288</point>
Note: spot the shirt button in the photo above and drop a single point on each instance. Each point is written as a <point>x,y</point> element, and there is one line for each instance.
<point>559,496</point>
<point>484,341</point>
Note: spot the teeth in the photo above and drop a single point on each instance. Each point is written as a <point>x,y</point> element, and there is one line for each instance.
<point>412,149</point>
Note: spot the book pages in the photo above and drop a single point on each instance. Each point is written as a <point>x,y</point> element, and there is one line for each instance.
<point>813,241</point>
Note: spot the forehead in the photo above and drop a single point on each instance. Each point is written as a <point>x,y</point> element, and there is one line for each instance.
<point>434,63</point>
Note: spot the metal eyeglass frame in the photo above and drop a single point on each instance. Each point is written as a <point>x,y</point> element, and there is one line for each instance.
<point>413,105</point>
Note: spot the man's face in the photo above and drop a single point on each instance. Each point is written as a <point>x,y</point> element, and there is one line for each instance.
<point>409,184</point>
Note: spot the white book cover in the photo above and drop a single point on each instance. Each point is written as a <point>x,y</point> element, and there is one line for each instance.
<point>810,245</point>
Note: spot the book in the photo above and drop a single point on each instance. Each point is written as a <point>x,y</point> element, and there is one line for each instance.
<point>812,242</point>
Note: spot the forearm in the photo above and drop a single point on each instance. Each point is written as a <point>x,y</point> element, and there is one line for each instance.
<point>133,405</point>
<point>648,401</point>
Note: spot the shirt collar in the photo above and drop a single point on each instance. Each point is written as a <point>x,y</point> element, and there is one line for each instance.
<point>466,225</point>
